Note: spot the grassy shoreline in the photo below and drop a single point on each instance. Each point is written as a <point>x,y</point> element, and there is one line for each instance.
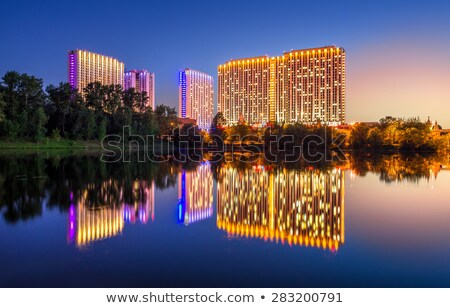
<point>95,145</point>
<point>49,144</point>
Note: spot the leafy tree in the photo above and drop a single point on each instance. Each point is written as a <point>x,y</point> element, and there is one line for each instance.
<point>102,128</point>
<point>218,121</point>
<point>189,134</point>
<point>359,135</point>
<point>56,134</point>
<point>9,87</point>
<point>131,98</point>
<point>60,104</point>
<point>142,102</point>
<point>113,98</point>
<point>32,96</point>
<point>217,130</point>
<point>166,119</point>
<point>144,123</point>
<point>240,130</point>
<point>22,97</point>
<point>375,138</point>
<point>390,127</point>
<point>90,124</point>
<point>95,96</point>
<point>76,118</point>
<point>38,121</point>
<point>297,132</point>
<point>2,106</point>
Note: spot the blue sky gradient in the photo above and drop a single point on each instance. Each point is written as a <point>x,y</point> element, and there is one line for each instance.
<point>166,36</point>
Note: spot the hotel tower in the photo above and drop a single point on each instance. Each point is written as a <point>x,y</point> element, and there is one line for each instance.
<point>85,67</point>
<point>304,86</point>
<point>141,81</point>
<point>196,97</point>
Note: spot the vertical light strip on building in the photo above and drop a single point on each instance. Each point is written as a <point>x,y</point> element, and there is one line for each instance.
<point>182,99</point>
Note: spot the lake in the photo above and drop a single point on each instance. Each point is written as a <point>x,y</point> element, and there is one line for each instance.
<point>369,221</point>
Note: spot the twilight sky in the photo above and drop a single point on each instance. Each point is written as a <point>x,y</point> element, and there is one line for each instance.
<point>398,52</point>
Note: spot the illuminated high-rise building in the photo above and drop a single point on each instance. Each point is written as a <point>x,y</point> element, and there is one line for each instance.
<point>196,97</point>
<point>85,67</point>
<point>301,86</point>
<point>141,81</point>
<point>243,90</point>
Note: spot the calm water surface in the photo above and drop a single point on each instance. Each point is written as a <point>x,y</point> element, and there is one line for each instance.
<point>73,221</point>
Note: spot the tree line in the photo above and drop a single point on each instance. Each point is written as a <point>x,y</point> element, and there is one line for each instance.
<point>392,133</point>
<point>28,111</point>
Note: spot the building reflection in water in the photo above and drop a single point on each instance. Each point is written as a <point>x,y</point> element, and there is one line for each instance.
<point>143,206</point>
<point>287,206</point>
<point>195,194</point>
<point>101,211</point>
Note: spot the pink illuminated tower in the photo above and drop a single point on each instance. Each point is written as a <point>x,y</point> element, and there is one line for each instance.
<point>141,80</point>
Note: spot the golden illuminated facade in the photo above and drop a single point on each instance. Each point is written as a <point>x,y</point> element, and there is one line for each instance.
<point>288,206</point>
<point>304,86</point>
<point>195,194</point>
<point>85,67</point>
<point>101,211</point>
<point>244,90</point>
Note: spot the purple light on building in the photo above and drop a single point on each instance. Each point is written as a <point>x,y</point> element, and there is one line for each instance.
<point>72,222</point>
<point>73,70</point>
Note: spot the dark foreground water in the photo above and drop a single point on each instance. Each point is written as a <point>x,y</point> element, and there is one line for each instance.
<point>73,221</point>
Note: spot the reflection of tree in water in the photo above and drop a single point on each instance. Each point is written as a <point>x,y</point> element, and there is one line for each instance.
<point>397,167</point>
<point>240,161</point>
<point>22,188</point>
<point>28,182</point>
